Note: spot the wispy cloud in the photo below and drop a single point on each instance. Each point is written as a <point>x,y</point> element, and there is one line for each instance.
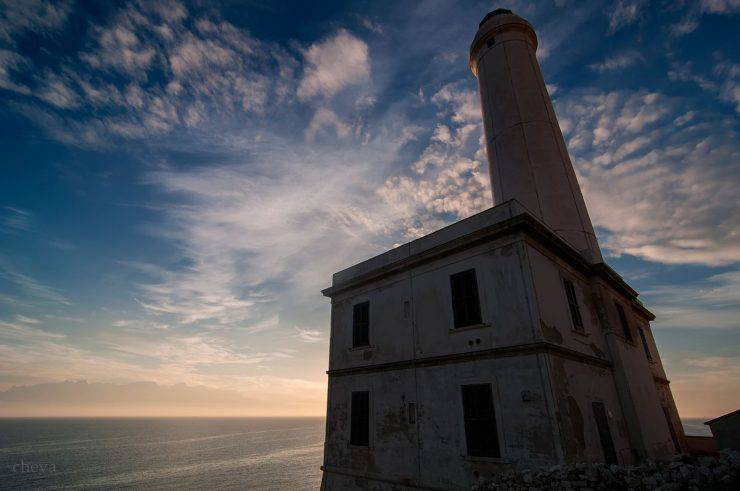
<point>660,191</point>
<point>148,71</point>
<point>14,220</point>
<point>31,15</point>
<point>720,6</point>
<point>29,285</point>
<point>623,13</point>
<point>333,64</point>
<point>310,335</point>
<point>616,62</point>
<point>711,303</point>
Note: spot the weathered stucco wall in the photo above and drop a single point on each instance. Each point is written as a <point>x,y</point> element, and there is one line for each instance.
<point>631,377</point>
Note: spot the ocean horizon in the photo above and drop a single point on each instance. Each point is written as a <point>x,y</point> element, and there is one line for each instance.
<point>169,453</point>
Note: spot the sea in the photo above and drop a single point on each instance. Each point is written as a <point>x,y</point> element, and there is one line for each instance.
<point>169,453</point>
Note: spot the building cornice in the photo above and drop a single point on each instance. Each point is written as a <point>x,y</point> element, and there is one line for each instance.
<point>524,349</point>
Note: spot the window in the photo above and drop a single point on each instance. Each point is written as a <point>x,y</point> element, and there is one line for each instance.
<point>480,421</point>
<point>645,344</point>
<point>575,311</point>
<point>624,323</point>
<point>465,301</point>
<point>361,325</point>
<point>605,436</point>
<point>360,419</point>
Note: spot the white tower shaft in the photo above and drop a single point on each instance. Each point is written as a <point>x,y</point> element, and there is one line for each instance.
<point>527,156</point>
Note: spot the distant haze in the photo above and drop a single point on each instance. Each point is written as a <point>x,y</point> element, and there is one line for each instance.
<point>79,398</point>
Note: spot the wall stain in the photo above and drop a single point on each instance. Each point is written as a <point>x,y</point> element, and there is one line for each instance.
<point>392,423</point>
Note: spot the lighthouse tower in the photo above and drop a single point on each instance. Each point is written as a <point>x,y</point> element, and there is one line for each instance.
<point>527,157</point>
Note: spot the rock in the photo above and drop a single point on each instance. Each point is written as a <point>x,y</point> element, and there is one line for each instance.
<point>680,473</point>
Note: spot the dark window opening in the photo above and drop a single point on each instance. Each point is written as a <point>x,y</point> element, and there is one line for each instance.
<point>360,419</point>
<point>480,421</point>
<point>671,429</point>
<point>645,344</point>
<point>602,425</point>
<point>575,311</point>
<point>361,325</point>
<point>465,300</point>
<point>623,321</point>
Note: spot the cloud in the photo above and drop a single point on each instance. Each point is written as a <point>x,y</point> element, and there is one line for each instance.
<point>249,231</point>
<point>22,332</point>
<point>119,46</point>
<point>12,62</point>
<point>616,62</point>
<point>57,91</point>
<point>41,16</point>
<point>720,6</point>
<point>153,68</point>
<point>333,64</point>
<point>658,190</point>
<point>624,13</point>
<point>684,27</point>
<point>729,74</point>
<point>323,119</point>
<point>370,24</point>
<point>15,220</point>
<point>711,303</point>
<point>723,82</point>
<point>310,335</point>
<point>29,285</point>
<point>464,101</point>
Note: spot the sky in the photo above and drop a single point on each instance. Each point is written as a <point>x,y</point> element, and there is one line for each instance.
<point>180,180</point>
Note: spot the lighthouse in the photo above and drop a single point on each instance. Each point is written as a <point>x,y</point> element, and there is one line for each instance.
<point>502,341</point>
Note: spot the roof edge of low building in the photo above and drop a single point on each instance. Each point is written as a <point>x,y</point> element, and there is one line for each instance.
<point>508,217</point>
<point>466,226</point>
<point>733,413</point>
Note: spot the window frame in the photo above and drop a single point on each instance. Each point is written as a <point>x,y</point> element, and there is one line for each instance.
<point>645,344</point>
<point>496,420</point>
<point>350,441</point>
<point>574,307</point>
<point>477,295</point>
<point>355,343</point>
<point>624,322</point>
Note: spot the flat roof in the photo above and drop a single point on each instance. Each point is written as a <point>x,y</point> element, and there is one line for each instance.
<point>497,214</point>
<point>733,413</point>
<point>507,218</point>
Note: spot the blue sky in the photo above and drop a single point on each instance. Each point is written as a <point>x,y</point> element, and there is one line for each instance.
<point>179,180</point>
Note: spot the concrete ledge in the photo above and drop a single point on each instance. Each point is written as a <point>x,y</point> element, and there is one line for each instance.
<point>516,350</point>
